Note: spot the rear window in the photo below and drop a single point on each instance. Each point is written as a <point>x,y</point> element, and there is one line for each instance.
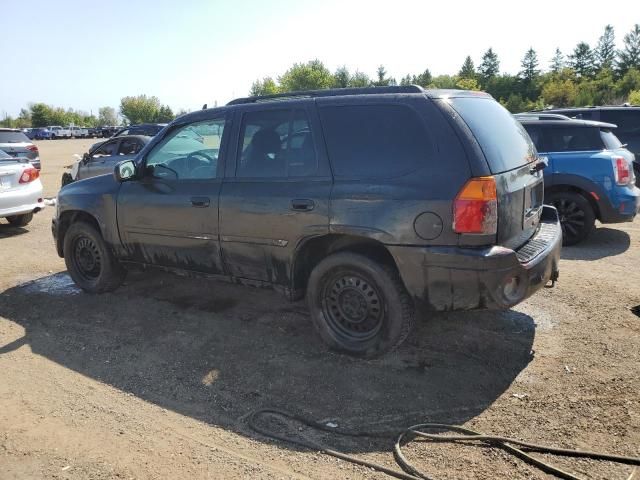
<point>374,141</point>
<point>505,143</point>
<point>609,139</point>
<point>573,139</point>
<point>13,137</point>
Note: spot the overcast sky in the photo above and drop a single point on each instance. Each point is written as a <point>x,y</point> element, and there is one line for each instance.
<point>85,55</point>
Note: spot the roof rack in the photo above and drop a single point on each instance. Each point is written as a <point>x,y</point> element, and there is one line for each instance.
<point>541,116</point>
<point>331,92</point>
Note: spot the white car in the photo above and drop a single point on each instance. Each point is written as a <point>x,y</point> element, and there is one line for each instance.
<point>59,132</point>
<point>20,190</point>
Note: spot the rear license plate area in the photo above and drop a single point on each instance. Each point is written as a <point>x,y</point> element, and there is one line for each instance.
<point>533,197</point>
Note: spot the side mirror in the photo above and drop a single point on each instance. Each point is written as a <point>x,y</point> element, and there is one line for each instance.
<point>125,171</point>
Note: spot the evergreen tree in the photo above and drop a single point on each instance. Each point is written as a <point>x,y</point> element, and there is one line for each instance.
<point>422,79</point>
<point>529,64</point>
<point>490,66</point>
<point>557,62</point>
<point>582,60</point>
<point>383,80</point>
<point>605,52</point>
<point>629,56</point>
<point>468,70</point>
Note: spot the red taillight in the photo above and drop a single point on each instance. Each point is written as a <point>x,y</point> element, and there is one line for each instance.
<point>621,170</point>
<point>32,148</point>
<point>29,175</point>
<point>475,209</point>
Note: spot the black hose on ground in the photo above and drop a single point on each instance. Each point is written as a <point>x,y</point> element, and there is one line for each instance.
<point>417,431</point>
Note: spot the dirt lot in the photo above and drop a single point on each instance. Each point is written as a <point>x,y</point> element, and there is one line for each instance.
<point>156,379</point>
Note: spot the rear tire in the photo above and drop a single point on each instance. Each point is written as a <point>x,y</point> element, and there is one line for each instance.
<point>20,220</point>
<point>576,216</point>
<point>90,262</point>
<point>359,306</point>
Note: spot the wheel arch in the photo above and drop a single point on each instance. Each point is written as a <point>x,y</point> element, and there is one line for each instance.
<point>313,250</point>
<point>559,188</point>
<point>66,219</point>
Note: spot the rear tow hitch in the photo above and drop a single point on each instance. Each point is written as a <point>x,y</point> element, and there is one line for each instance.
<point>553,279</point>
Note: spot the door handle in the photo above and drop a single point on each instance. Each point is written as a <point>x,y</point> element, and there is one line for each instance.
<point>200,202</point>
<point>302,205</point>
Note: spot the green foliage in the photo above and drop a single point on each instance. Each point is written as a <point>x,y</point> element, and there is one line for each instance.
<point>468,70</point>
<point>490,66</point>
<point>629,82</point>
<point>342,78</point>
<point>424,79</point>
<point>312,75</point>
<point>634,97</point>
<point>444,81</point>
<point>629,56</point>
<point>382,80</point>
<point>107,116</point>
<point>605,51</point>
<point>560,93</point>
<point>266,86</point>
<point>143,109</point>
<point>467,84</point>
<point>359,79</point>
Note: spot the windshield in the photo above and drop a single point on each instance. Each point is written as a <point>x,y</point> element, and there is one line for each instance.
<point>609,139</point>
<point>13,137</point>
<point>505,143</point>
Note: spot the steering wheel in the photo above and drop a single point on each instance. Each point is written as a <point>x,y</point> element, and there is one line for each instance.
<point>161,165</point>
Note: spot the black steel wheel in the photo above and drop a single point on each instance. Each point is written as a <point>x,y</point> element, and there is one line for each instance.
<point>577,218</point>
<point>359,306</point>
<point>89,261</point>
<point>353,307</point>
<point>86,257</point>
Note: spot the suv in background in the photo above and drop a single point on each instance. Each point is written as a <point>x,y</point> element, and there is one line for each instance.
<point>16,144</point>
<point>625,117</point>
<point>371,202</point>
<point>589,176</point>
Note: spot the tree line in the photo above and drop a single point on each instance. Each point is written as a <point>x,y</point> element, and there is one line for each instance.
<point>133,110</point>
<point>598,75</point>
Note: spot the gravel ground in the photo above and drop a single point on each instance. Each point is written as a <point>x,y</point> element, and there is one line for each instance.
<point>156,379</point>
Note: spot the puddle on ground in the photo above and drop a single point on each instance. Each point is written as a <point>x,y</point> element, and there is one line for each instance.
<point>56,284</point>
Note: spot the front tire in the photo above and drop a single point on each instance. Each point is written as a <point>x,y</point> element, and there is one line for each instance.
<point>90,262</point>
<point>20,220</point>
<point>359,306</point>
<point>576,216</point>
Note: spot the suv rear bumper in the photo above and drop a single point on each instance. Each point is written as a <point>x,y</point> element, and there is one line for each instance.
<point>453,278</point>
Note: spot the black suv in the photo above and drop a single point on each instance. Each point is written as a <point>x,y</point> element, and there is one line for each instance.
<point>372,202</point>
<point>625,117</point>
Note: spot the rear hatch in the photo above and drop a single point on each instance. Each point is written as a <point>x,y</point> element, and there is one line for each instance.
<point>10,171</point>
<point>17,144</point>
<point>511,156</point>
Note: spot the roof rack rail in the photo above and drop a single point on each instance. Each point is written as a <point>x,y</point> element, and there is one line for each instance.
<point>330,92</point>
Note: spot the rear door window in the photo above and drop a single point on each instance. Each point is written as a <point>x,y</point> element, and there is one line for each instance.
<point>573,139</point>
<point>374,141</point>
<point>505,143</point>
<point>13,137</point>
<point>276,144</point>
